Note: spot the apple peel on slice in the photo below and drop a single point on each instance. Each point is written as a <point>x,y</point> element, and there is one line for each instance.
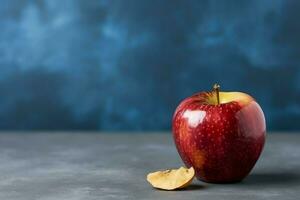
<point>171,179</point>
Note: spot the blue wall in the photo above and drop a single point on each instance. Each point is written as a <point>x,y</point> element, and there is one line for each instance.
<point>125,65</point>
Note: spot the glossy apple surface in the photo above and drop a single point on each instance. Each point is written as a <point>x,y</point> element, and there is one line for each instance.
<point>223,140</point>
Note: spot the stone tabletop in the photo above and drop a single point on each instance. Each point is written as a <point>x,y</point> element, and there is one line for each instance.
<point>90,166</point>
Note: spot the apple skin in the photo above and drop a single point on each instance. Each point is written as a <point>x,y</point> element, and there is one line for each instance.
<point>222,142</point>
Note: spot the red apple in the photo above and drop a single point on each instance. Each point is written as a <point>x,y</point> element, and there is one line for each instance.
<point>220,134</point>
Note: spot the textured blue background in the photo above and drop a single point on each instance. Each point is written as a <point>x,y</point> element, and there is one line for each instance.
<point>125,65</point>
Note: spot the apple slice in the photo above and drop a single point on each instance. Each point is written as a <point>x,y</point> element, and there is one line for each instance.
<point>171,179</point>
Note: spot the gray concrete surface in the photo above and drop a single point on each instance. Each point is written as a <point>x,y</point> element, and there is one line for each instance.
<point>86,166</point>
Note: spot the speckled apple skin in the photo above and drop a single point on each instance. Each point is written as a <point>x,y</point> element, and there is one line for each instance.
<point>222,142</point>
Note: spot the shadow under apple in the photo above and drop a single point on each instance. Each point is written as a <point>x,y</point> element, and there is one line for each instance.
<point>271,178</point>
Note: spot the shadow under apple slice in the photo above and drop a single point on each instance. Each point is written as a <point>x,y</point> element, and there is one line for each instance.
<point>193,187</point>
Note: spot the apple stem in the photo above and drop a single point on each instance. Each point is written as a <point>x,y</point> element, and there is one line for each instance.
<point>216,88</point>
